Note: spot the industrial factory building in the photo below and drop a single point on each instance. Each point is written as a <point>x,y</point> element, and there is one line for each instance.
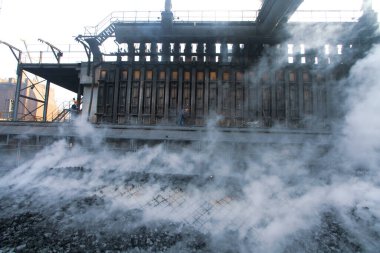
<point>198,131</point>
<point>242,70</point>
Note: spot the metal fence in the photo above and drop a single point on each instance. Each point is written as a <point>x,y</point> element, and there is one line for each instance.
<point>326,16</point>
<point>40,53</point>
<point>219,15</point>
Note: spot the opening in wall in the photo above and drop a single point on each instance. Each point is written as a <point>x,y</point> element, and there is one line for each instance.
<point>339,48</point>
<point>159,47</point>
<point>213,76</point>
<point>161,76</point>
<point>194,48</point>
<point>182,47</point>
<point>229,48</point>
<point>302,47</point>
<point>148,47</point>
<point>136,75</point>
<point>149,75</point>
<point>136,46</point>
<point>290,48</point>
<point>218,47</point>
<point>186,76</point>
<point>174,75</point>
<point>103,75</point>
<point>200,76</point>
<point>239,76</point>
<point>327,49</point>
<point>124,75</point>
<point>226,76</point>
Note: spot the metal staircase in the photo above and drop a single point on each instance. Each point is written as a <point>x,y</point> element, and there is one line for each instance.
<point>61,116</point>
<point>106,33</point>
<point>63,112</point>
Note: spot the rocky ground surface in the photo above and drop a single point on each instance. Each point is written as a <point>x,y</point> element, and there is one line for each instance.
<point>31,231</point>
<point>33,221</point>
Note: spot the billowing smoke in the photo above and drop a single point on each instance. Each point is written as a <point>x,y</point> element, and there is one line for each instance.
<point>86,196</point>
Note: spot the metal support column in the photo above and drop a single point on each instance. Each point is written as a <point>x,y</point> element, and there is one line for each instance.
<point>314,95</point>
<point>246,97</point>
<point>116,95</point>
<point>19,76</point>
<point>206,93</point>
<point>46,103</point>
<point>167,90</point>
<point>273,85</point>
<point>141,94</point>
<point>220,90</point>
<point>193,87</point>
<point>328,92</point>
<point>180,89</point>
<point>154,96</point>
<point>287,98</point>
<point>128,93</point>
<point>233,96</point>
<point>300,95</point>
<point>259,85</point>
<point>17,93</point>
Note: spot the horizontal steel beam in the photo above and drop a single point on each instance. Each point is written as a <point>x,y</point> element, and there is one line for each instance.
<point>169,133</point>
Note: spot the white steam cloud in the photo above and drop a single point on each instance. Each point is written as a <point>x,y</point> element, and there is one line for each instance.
<point>262,199</point>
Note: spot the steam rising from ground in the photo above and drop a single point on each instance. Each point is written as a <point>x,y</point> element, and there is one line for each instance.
<point>261,199</point>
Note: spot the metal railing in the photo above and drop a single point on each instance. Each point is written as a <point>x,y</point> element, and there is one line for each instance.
<point>123,16</point>
<point>326,16</point>
<point>74,53</point>
<point>218,16</point>
<point>40,53</point>
<point>179,16</point>
<point>63,106</point>
<point>6,116</point>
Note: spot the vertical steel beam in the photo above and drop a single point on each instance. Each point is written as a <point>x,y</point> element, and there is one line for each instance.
<point>193,86</point>
<point>246,96</point>
<point>206,92</point>
<point>287,98</point>
<point>220,90</point>
<point>255,98</point>
<point>46,103</point>
<point>154,95</point>
<point>116,94</point>
<point>260,99</point>
<point>328,91</point>
<point>18,88</point>
<point>167,90</point>
<point>180,89</point>
<point>300,94</point>
<point>128,93</point>
<point>141,94</point>
<point>273,85</point>
<point>19,76</point>
<point>233,95</point>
